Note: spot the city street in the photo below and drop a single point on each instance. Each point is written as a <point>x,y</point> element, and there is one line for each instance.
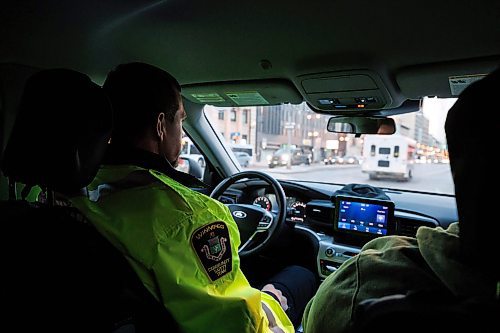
<point>426,177</point>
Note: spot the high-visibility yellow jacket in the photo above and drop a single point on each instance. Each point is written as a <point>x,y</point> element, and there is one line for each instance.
<point>184,247</point>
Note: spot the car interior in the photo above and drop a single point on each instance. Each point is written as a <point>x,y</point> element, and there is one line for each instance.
<point>353,66</point>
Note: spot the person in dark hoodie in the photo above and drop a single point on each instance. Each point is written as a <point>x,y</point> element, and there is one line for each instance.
<point>460,261</point>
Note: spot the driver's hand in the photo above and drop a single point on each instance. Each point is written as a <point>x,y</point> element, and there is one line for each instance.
<point>283,301</point>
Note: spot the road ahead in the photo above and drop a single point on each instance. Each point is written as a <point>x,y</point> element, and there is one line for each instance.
<point>426,177</point>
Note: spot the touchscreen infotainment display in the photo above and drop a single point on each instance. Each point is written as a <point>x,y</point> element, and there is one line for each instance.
<point>363,216</point>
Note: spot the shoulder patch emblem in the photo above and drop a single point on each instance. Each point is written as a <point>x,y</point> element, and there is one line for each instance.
<point>213,247</point>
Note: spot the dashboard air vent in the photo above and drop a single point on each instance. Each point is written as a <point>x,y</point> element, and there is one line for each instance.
<point>408,227</point>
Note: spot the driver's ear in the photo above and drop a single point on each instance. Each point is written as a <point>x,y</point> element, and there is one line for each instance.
<point>160,126</point>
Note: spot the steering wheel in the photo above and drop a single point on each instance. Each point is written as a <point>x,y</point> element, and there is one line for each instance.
<point>251,219</point>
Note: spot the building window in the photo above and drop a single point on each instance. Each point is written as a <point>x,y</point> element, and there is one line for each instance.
<point>244,137</point>
<point>245,116</point>
<point>221,114</point>
<point>233,115</point>
<point>271,118</point>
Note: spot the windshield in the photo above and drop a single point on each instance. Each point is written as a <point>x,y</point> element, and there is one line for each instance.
<point>291,142</point>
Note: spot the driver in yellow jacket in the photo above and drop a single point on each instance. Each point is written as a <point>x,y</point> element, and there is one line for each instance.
<point>184,247</point>
<point>182,243</point>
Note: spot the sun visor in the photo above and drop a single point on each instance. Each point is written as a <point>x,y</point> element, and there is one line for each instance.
<point>345,91</point>
<point>243,93</point>
<point>443,79</point>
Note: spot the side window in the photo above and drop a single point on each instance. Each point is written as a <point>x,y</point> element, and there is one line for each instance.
<point>396,151</point>
<point>191,155</point>
<point>194,150</point>
<point>245,116</point>
<point>384,151</point>
<point>221,115</point>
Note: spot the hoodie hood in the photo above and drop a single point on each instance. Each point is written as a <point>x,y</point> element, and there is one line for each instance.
<point>440,248</point>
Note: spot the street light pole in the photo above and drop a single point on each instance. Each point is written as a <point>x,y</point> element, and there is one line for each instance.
<point>257,128</point>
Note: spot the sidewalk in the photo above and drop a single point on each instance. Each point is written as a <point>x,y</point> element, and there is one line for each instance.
<point>297,168</point>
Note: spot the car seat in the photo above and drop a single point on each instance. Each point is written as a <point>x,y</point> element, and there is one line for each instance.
<point>60,274</point>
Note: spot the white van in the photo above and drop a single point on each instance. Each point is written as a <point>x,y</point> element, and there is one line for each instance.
<point>388,156</point>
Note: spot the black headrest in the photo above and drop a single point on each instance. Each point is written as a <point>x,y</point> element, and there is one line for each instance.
<point>61,131</point>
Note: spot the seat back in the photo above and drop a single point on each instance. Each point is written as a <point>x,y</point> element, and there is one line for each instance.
<point>61,274</point>
<point>61,131</point>
<point>64,276</point>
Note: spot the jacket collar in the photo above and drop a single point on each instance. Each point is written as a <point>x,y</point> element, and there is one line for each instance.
<point>142,158</point>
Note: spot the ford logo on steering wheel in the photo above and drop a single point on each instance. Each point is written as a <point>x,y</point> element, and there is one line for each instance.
<point>239,214</point>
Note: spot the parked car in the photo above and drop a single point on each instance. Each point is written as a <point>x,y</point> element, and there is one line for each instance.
<point>328,160</point>
<point>351,160</point>
<point>294,156</point>
<point>338,160</point>
<point>243,158</point>
<point>333,160</point>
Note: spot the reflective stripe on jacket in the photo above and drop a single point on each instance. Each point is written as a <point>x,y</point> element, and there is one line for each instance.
<point>175,239</point>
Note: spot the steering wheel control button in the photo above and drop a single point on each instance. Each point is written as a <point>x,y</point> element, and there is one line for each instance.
<point>265,222</point>
<point>329,252</point>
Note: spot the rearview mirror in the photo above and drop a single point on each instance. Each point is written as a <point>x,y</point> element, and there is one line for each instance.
<point>361,125</point>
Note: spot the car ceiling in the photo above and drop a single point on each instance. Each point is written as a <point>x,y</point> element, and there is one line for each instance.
<point>409,45</point>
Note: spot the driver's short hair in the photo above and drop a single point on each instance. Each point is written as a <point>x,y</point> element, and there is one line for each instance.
<point>138,93</point>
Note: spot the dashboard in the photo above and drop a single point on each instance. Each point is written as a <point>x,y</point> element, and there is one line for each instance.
<point>311,211</point>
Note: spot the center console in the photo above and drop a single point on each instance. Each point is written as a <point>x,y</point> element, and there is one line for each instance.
<point>356,221</point>
<point>331,255</point>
